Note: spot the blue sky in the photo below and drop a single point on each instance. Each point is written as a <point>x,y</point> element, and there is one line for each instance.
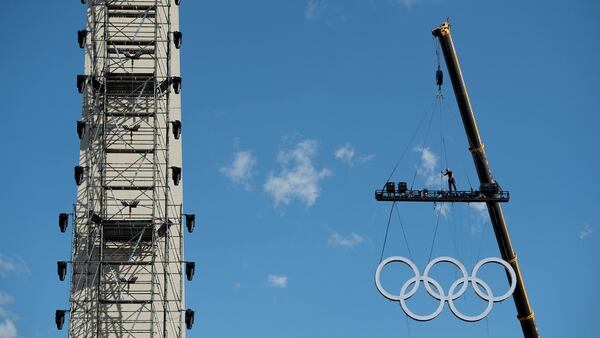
<point>294,112</point>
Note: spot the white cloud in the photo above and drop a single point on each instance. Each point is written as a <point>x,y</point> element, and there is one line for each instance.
<point>366,158</point>
<point>314,9</point>
<point>480,209</point>
<point>298,177</point>
<point>408,3</point>
<point>8,329</point>
<point>242,168</point>
<point>586,231</point>
<point>10,266</point>
<point>427,166</point>
<point>442,209</point>
<point>349,241</point>
<point>476,228</point>
<point>345,153</point>
<point>429,160</point>
<point>5,299</point>
<point>481,216</point>
<point>277,281</point>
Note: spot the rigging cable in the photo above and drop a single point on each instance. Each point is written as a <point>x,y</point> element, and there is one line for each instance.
<point>437,223</point>
<point>483,232</point>
<point>464,166</point>
<point>431,107</point>
<point>435,101</point>
<point>408,326</point>
<point>403,233</point>
<point>387,229</point>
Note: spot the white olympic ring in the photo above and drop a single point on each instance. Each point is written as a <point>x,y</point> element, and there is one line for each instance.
<point>437,291</point>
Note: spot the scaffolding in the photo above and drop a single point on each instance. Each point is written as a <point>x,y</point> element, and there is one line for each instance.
<point>127,247</point>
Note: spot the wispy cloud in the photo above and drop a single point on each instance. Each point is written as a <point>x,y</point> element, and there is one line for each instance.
<point>327,12</point>
<point>350,241</point>
<point>481,216</point>
<point>12,266</point>
<point>409,4</point>
<point>442,209</point>
<point>277,281</point>
<point>366,158</point>
<point>480,210</point>
<point>427,166</point>
<point>5,299</point>
<point>298,177</point>
<point>241,169</point>
<point>9,267</point>
<point>8,328</point>
<point>314,9</point>
<point>348,155</point>
<point>345,153</point>
<point>586,231</point>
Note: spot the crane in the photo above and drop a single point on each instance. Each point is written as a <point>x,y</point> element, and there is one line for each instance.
<point>524,310</point>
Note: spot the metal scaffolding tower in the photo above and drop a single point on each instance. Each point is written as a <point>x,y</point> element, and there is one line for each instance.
<point>127,249</point>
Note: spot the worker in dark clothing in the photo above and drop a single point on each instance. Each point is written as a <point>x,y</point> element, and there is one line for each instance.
<point>451,180</point>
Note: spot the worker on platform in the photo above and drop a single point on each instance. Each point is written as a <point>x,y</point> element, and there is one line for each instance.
<point>451,180</point>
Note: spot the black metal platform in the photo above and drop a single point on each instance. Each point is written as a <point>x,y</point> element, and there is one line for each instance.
<point>127,230</point>
<point>128,84</point>
<point>469,196</point>
<point>128,187</point>
<point>131,11</point>
<point>128,151</point>
<point>124,301</point>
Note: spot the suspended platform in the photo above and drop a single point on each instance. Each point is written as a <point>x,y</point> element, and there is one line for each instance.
<point>486,193</point>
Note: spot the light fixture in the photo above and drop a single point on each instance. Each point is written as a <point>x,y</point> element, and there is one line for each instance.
<point>190,269</point>
<point>176,174</point>
<point>176,129</point>
<point>176,84</point>
<point>61,269</point>
<point>190,222</point>
<point>78,171</point>
<point>59,318</point>
<point>80,129</point>
<point>63,221</point>
<point>81,35</point>
<point>177,37</point>
<point>189,318</point>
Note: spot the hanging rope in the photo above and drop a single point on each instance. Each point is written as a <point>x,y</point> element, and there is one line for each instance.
<point>437,223</point>
<point>435,103</point>
<point>431,111</point>
<point>427,112</point>
<point>444,155</point>
<point>483,232</point>
<point>387,229</point>
<point>403,233</point>
<point>464,166</point>
<point>408,326</point>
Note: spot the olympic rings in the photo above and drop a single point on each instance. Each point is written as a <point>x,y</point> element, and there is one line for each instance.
<point>457,289</point>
